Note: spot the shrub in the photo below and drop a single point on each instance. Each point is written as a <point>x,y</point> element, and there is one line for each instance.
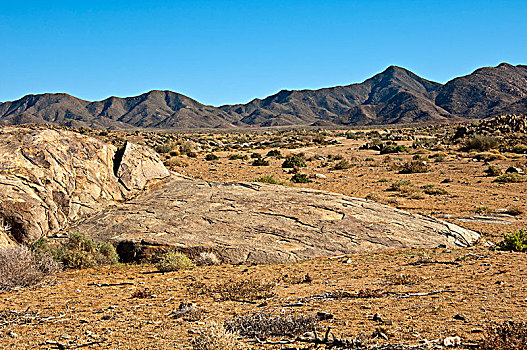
<point>274,153</point>
<point>510,177</point>
<point>294,162</point>
<point>300,178</point>
<point>211,156</point>
<point>235,289</point>
<point>514,241</point>
<point>407,189</point>
<point>481,143</point>
<point>394,149</point>
<point>173,261</point>
<point>414,166</point>
<point>519,148</point>
<point>260,162</point>
<point>405,279</point>
<point>494,170</point>
<point>263,325</point>
<point>165,147</point>
<point>268,179</point>
<point>256,155</point>
<point>489,156</point>
<point>80,252</point>
<point>483,210</point>
<point>216,337</point>
<point>509,335</point>
<point>343,164</point>
<point>23,267</point>
<point>238,156</point>
<point>434,190</point>
<point>207,258</point>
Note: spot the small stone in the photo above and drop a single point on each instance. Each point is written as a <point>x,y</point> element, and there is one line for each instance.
<point>460,317</point>
<point>452,341</point>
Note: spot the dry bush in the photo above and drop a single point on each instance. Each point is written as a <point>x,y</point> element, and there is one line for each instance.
<point>407,189</point>
<point>176,162</point>
<point>494,170</point>
<point>22,267</point>
<point>414,166</point>
<point>434,190</point>
<point>370,293</point>
<point>506,336</point>
<point>264,325</point>
<point>405,279</point>
<point>481,143</point>
<point>234,289</point>
<point>207,258</point>
<point>216,337</point>
<point>511,177</point>
<point>488,156</point>
<point>343,164</point>
<point>173,261</point>
<point>142,293</point>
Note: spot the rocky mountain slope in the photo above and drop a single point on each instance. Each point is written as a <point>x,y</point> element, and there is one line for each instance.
<point>393,96</point>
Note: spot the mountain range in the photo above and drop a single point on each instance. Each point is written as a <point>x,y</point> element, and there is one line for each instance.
<point>393,96</point>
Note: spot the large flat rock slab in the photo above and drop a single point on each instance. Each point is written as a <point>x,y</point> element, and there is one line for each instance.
<point>260,223</point>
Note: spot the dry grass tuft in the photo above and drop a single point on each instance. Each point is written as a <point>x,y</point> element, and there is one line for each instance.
<point>216,337</point>
<point>264,325</point>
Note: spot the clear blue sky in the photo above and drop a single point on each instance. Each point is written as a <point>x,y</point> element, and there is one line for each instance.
<point>222,52</point>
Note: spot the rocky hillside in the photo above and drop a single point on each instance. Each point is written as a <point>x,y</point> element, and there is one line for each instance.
<point>393,96</point>
<point>51,178</point>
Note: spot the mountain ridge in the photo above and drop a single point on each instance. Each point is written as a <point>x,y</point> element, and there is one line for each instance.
<point>393,96</point>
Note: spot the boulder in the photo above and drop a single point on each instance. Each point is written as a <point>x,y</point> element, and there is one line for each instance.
<point>260,223</point>
<point>50,178</point>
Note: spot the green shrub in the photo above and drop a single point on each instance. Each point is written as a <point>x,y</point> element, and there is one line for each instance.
<point>211,156</point>
<point>511,177</point>
<point>294,161</point>
<point>514,241</point>
<point>394,149</point>
<point>256,155</point>
<point>300,178</point>
<point>173,261</point>
<point>268,179</point>
<point>165,147</point>
<point>238,156</point>
<point>80,252</point>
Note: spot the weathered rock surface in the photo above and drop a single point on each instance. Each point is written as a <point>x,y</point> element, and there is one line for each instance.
<point>50,178</point>
<point>258,223</point>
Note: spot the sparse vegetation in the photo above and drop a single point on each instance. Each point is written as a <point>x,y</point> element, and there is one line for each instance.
<point>268,179</point>
<point>23,267</point>
<point>235,289</point>
<point>260,162</point>
<point>481,143</point>
<point>343,164</point>
<point>511,177</point>
<point>508,335</point>
<point>414,166</point>
<point>215,337</point>
<point>174,261</point>
<point>211,157</point>
<point>515,241</point>
<point>494,170</point>
<point>300,178</point>
<point>294,162</point>
<point>264,325</point>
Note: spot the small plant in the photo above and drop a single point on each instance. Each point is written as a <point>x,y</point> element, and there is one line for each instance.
<point>207,258</point>
<point>510,178</point>
<point>300,178</point>
<point>407,189</point>
<point>80,252</point>
<point>274,153</point>
<point>394,149</point>
<point>142,293</point>
<point>268,179</point>
<point>264,325</point>
<point>23,267</point>
<point>434,190</point>
<point>165,147</point>
<point>239,156</point>
<point>509,335</point>
<point>414,166</point>
<point>494,170</point>
<point>515,241</point>
<point>369,159</point>
<point>370,293</point>
<point>483,210</point>
<point>405,279</point>
<point>260,162</point>
<point>256,155</point>
<point>294,162</point>
<point>343,164</point>
<point>173,261</point>
<point>216,337</point>
<point>481,143</point>
<point>211,156</point>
